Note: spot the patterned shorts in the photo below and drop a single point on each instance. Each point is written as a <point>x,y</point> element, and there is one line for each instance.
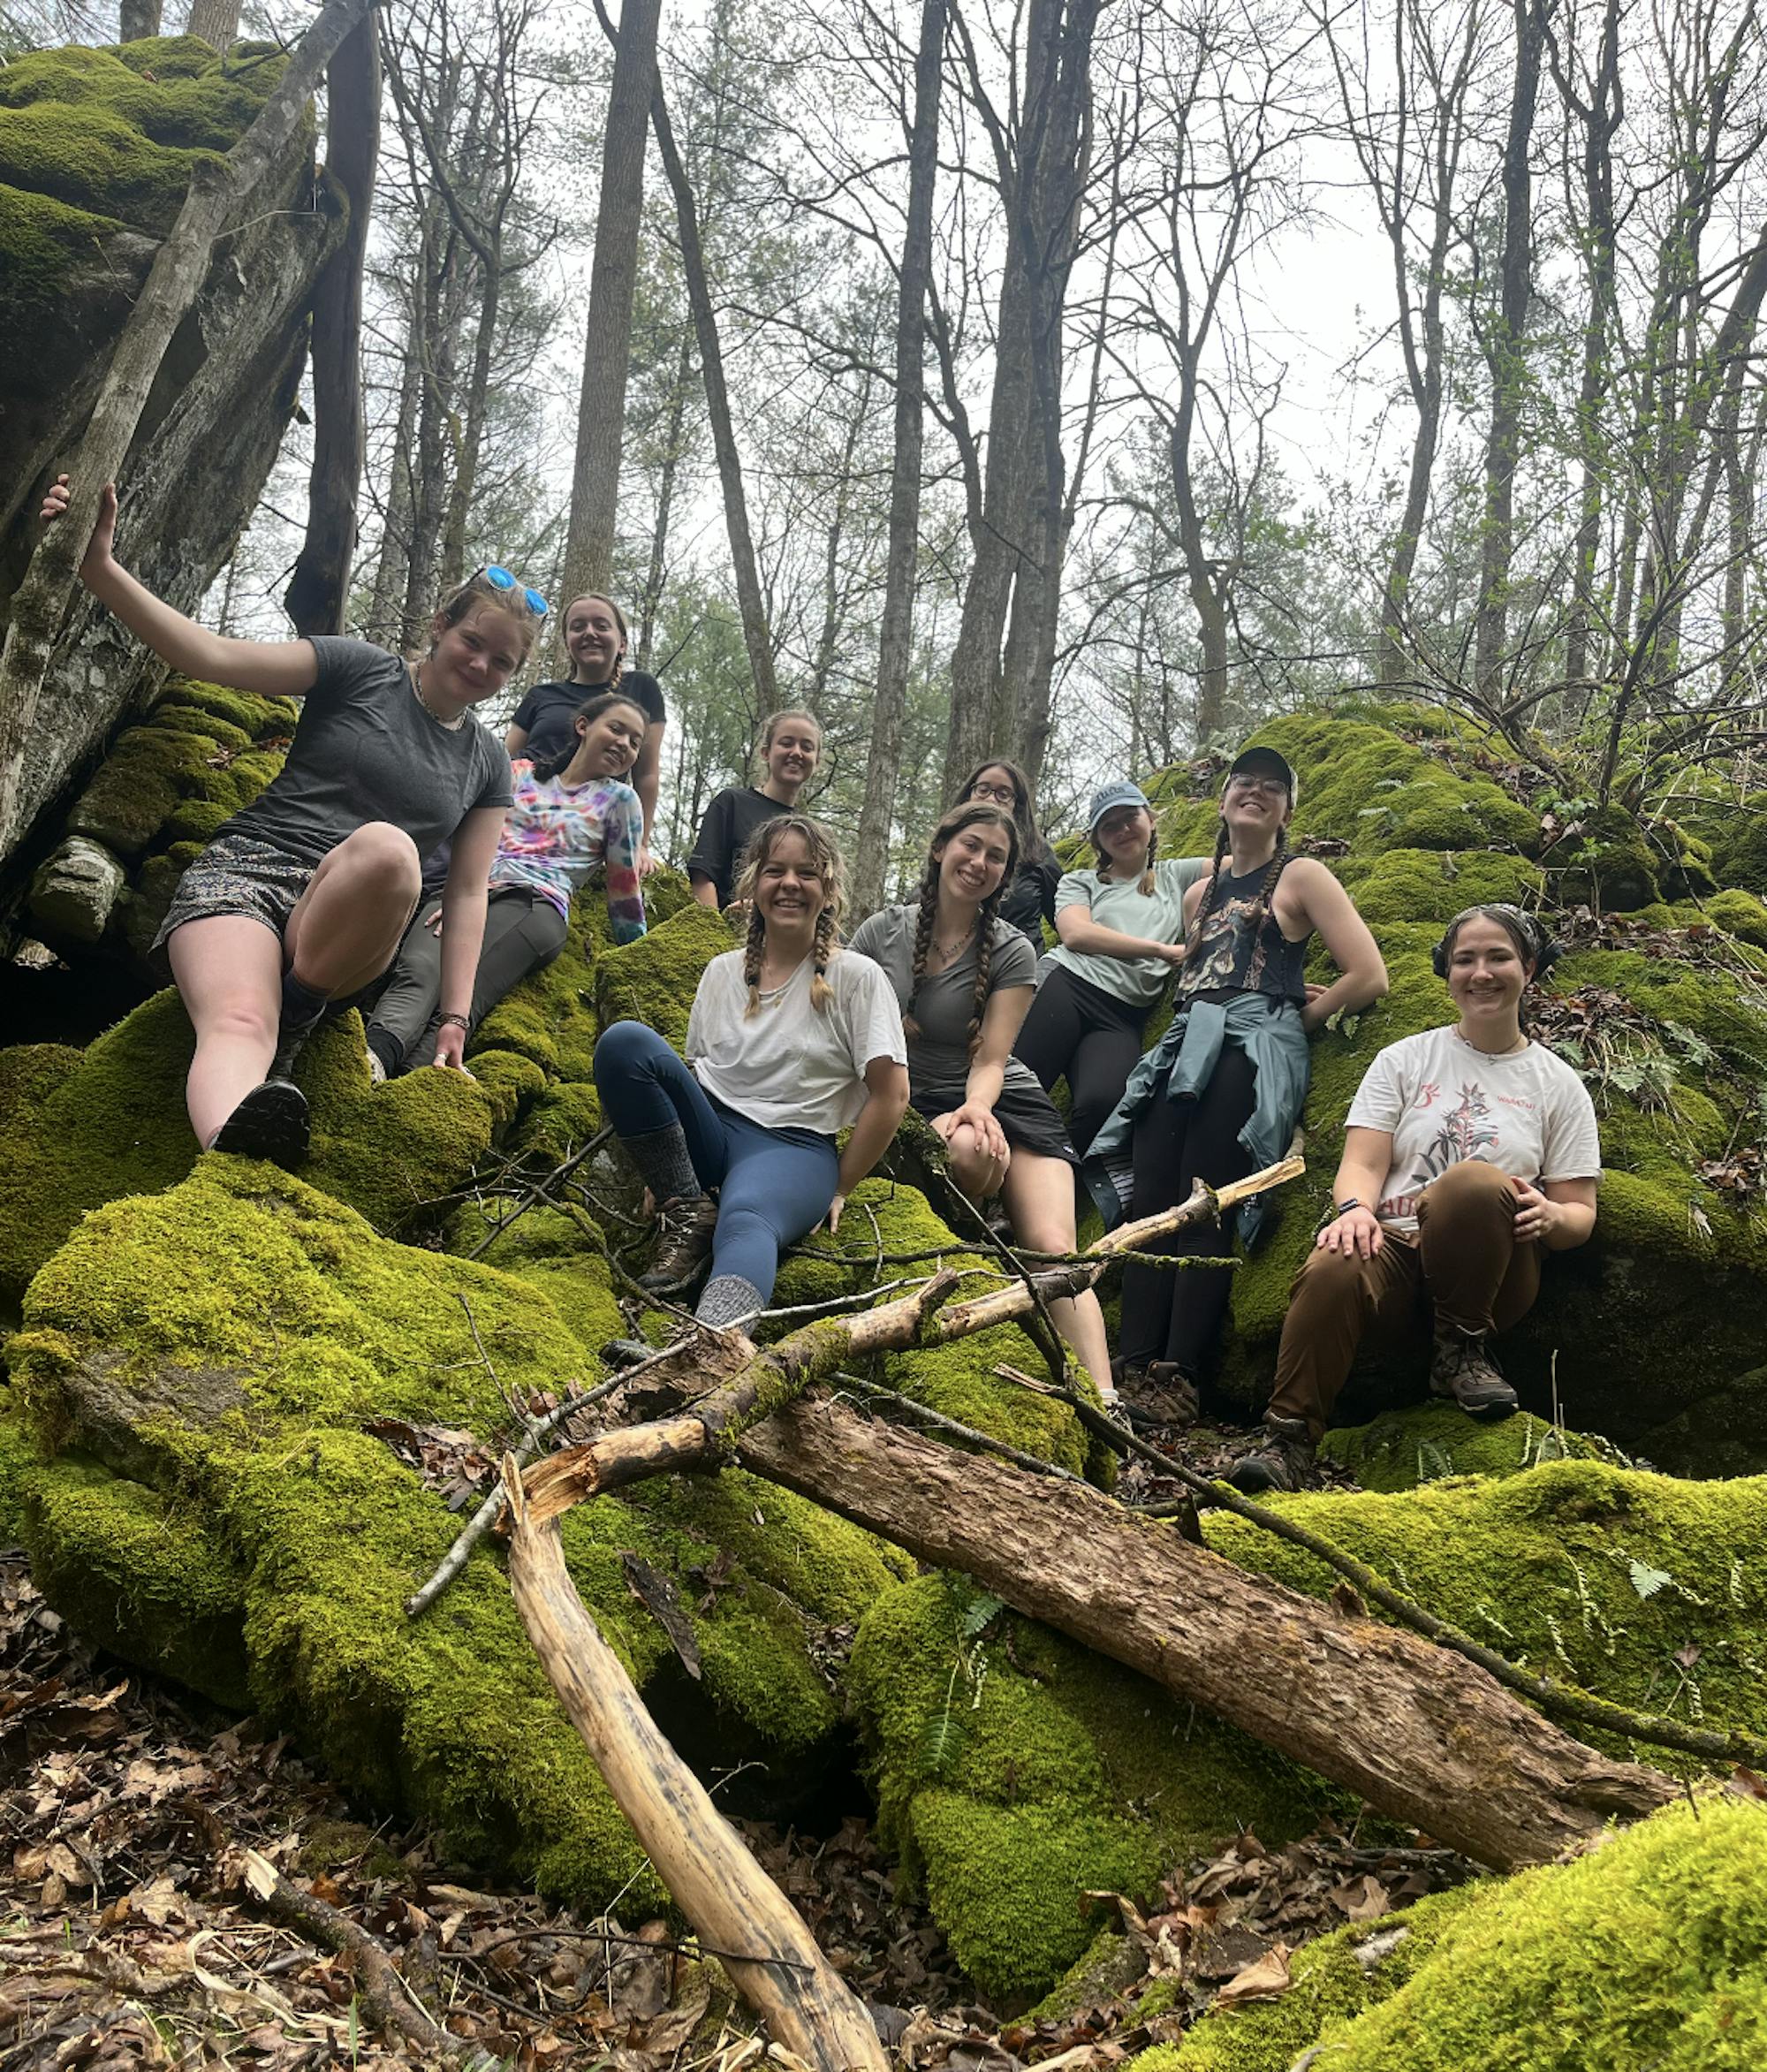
<point>234,874</point>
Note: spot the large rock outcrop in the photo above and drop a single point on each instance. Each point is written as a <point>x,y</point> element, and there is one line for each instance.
<point>97,148</point>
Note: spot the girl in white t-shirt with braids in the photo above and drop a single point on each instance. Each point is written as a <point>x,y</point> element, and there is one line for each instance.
<point>1468,1150</point>
<point>791,1039</point>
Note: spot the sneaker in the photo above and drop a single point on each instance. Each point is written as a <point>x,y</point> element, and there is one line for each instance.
<point>1286,1462</point>
<point>377,1071</point>
<point>271,1122</point>
<point>1461,1368</point>
<point>685,1244</point>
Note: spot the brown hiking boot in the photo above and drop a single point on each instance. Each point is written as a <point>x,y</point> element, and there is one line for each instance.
<point>1287,1462</point>
<point>1461,1368</point>
<point>684,1243</point>
<point>1160,1393</point>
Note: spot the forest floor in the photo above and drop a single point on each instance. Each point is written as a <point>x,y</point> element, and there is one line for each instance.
<point>131,1934</point>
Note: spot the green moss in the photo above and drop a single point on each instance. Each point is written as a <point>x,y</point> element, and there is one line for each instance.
<point>1016,1770</point>
<point>42,240</point>
<point>1541,1565</point>
<point>1741,913</point>
<point>1433,885</point>
<point>115,1125</point>
<point>1610,866</point>
<point>653,980</point>
<point>1740,852</point>
<point>1650,1954</point>
<point>1435,1441</point>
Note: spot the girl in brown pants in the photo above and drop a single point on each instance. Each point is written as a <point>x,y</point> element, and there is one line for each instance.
<point>1467,1152</point>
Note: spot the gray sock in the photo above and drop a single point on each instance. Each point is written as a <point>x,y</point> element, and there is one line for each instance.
<point>662,1163</point>
<point>729,1299</point>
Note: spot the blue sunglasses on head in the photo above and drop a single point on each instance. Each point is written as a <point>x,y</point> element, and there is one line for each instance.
<point>500,579</point>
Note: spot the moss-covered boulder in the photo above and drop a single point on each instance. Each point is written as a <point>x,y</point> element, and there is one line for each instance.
<point>97,147</point>
<point>216,1381</point>
<point>1644,1333</point>
<point>1649,1955</point>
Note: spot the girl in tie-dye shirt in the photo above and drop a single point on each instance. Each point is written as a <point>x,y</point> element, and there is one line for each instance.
<point>569,815</point>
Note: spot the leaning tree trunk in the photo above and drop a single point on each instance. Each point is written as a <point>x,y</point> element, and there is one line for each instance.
<point>319,589</point>
<point>215,21</point>
<point>219,189</point>
<point>750,601</point>
<point>896,634</point>
<point>613,279</point>
<point>674,444</point>
<point>1423,1735</point>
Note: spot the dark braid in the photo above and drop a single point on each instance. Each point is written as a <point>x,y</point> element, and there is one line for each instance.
<point>752,946</point>
<point>1266,890</point>
<point>821,991</point>
<point>984,960</point>
<point>923,943</point>
<point>1147,883</point>
<point>1192,935</point>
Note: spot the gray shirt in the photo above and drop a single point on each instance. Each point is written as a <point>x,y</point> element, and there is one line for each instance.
<point>1157,917</point>
<point>365,749</point>
<point>938,1057</point>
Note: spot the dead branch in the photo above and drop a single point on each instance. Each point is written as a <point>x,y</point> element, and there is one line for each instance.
<point>714,1879</point>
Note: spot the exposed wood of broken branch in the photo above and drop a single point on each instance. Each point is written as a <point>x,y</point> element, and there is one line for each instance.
<point>711,1876</point>
<point>1421,1733</point>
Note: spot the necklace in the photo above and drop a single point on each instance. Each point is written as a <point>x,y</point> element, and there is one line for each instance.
<point>1508,1051</point>
<point>454,725</point>
<point>948,952</point>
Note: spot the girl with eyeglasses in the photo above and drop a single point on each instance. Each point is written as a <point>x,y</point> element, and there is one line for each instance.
<point>572,814</point>
<point>1220,1094</point>
<point>301,899</point>
<point>1029,899</point>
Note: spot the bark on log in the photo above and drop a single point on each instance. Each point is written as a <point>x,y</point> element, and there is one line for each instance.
<point>217,191</point>
<point>732,1903</point>
<point>1419,1733</point>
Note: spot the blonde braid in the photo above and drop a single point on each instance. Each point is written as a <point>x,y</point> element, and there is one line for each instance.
<point>923,941</point>
<point>755,942</point>
<point>822,994</point>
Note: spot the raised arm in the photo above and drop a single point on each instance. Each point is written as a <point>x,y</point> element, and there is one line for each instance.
<point>1361,979</point>
<point>272,669</point>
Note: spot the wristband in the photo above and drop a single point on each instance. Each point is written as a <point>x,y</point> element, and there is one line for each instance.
<point>460,1021</point>
<point>1344,1208</point>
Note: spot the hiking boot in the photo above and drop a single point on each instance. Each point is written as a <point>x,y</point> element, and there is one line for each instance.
<point>1461,1368</point>
<point>271,1122</point>
<point>627,1352</point>
<point>1286,1462</point>
<point>1160,1393</point>
<point>684,1243</point>
<point>290,1041</point>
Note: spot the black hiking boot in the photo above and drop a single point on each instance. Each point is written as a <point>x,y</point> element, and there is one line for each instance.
<point>684,1245</point>
<point>1287,1461</point>
<point>271,1122</point>
<point>1461,1368</point>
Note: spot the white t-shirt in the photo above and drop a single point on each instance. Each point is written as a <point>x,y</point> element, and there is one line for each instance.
<point>789,1067</point>
<point>1444,1101</point>
<point>1157,917</point>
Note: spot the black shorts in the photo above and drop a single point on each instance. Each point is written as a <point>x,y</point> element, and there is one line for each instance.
<point>1028,1119</point>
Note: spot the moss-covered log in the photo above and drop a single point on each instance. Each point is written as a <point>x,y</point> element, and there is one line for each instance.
<point>1419,1734</point>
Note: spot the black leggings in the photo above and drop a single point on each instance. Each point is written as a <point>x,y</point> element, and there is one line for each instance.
<point>1177,1316</point>
<point>523,930</point>
<point>1089,1038</point>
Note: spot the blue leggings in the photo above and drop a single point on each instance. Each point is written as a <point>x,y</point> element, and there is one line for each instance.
<point>773,1185</point>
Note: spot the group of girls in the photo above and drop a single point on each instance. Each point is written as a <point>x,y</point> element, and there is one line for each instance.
<point>1467,1149</point>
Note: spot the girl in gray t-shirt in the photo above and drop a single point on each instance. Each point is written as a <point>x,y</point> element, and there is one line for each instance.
<point>300,900</point>
<point>964,978</point>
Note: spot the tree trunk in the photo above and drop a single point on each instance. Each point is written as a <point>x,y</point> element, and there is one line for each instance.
<point>141,18</point>
<point>392,569</point>
<point>436,424</point>
<point>734,1907</point>
<point>1505,355</point>
<point>319,589</point>
<point>1423,1734</point>
<point>673,446</point>
<point>218,190</point>
<point>471,421</point>
<point>748,595</point>
<point>896,634</point>
<point>215,21</point>
<point>607,350</point>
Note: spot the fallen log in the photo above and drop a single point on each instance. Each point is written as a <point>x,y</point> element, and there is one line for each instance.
<point>1419,1733</point>
<point>732,1903</point>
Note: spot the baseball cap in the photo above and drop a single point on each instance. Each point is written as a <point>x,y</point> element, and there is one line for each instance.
<point>1107,798</point>
<point>1265,762</point>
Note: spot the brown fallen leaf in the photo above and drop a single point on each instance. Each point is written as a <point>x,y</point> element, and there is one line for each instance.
<point>1361,1899</point>
<point>1266,1980</point>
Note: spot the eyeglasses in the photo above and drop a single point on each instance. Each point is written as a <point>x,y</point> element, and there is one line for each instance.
<point>1271,788</point>
<point>500,579</point>
<point>1002,794</point>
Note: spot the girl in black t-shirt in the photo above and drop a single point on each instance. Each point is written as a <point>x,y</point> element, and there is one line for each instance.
<point>791,747</point>
<point>302,898</point>
<point>596,637</point>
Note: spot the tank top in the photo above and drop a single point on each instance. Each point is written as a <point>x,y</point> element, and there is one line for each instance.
<point>1236,952</point>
